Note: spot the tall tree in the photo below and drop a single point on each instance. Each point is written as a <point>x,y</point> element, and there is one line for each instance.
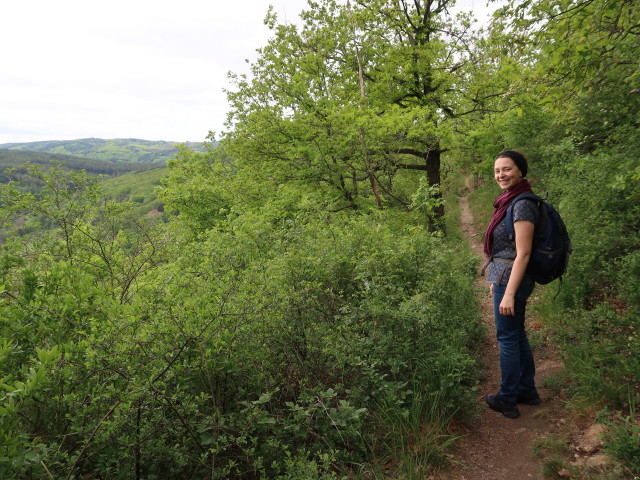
<point>360,91</point>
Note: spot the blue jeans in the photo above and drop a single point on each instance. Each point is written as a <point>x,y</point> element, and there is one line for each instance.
<point>516,359</point>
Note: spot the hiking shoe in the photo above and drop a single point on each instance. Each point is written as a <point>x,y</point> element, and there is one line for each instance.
<point>496,403</point>
<point>529,398</point>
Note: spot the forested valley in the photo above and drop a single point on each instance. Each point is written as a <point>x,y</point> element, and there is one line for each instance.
<point>14,166</point>
<point>304,308</point>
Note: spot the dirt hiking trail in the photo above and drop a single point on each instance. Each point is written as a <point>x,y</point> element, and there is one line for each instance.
<point>492,446</point>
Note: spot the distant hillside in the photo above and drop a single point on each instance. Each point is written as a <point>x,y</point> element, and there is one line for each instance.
<point>13,168</point>
<point>138,188</point>
<point>127,150</point>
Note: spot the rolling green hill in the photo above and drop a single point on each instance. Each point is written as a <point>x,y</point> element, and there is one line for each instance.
<point>138,188</point>
<point>13,167</point>
<point>17,159</point>
<point>115,150</point>
<point>133,182</point>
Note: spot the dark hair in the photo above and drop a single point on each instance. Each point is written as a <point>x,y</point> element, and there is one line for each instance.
<point>519,159</point>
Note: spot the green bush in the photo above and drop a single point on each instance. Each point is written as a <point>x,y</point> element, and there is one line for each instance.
<point>599,350</point>
<point>622,440</point>
<point>260,345</point>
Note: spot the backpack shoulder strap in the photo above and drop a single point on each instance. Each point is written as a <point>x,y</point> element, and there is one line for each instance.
<point>511,232</point>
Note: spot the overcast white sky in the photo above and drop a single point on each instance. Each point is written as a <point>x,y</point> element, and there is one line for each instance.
<point>147,69</point>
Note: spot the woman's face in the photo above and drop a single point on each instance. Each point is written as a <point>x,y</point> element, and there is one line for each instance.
<point>506,173</point>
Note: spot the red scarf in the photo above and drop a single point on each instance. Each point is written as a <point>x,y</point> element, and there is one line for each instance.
<point>501,204</point>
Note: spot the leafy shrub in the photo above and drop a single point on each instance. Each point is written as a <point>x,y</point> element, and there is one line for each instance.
<point>603,257</point>
<point>623,440</point>
<point>258,345</point>
<point>599,348</point>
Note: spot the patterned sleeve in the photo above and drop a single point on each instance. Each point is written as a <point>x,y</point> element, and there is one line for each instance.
<point>526,210</point>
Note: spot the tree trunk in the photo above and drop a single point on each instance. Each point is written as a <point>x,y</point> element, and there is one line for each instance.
<point>363,95</point>
<point>432,161</point>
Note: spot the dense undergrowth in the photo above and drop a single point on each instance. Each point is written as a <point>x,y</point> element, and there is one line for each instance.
<point>277,341</point>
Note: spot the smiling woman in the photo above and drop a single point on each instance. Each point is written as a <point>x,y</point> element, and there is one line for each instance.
<point>508,259</point>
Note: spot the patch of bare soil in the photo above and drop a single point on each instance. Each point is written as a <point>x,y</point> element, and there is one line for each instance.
<point>493,446</point>
<point>153,213</point>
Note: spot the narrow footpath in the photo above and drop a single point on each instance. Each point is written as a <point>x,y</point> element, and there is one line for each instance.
<point>492,446</point>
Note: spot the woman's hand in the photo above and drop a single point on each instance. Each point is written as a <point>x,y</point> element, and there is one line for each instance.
<point>507,305</point>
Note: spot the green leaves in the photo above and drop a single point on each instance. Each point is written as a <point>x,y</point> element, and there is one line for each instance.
<point>358,92</point>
